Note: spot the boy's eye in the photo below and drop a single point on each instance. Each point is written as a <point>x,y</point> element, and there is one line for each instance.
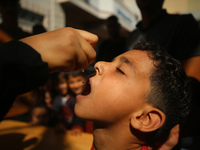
<point>120,71</point>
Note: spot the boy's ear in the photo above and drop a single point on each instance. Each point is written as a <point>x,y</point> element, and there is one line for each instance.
<point>148,119</point>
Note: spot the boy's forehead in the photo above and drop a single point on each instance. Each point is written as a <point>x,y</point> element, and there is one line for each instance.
<point>140,59</point>
<point>75,76</point>
<point>136,55</point>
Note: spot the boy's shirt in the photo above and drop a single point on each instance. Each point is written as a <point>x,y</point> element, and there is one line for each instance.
<point>59,101</point>
<point>65,108</point>
<point>145,148</point>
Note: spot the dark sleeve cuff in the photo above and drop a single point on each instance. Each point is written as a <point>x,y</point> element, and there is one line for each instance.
<point>23,66</point>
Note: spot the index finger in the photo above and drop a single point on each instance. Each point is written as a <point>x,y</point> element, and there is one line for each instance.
<point>89,37</point>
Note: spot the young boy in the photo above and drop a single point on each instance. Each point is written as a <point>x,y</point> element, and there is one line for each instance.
<point>64,104</point>
<point>40,115</point>
<point>135,100</point>
<point>76,80</point>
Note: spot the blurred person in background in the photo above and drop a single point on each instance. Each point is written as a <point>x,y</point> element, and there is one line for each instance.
<point>38,28</point>
<point>9,29</point>
<point>40,115</point>
<point>115,44</point>
<point>178,34</point>
<point>76,81</point>
<point>63,105</point>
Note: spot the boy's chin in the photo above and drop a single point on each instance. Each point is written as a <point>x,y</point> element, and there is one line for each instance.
<point>80,112</point>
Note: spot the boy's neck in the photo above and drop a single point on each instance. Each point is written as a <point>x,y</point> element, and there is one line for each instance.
<point>107,138</point>
<point>66,96</point>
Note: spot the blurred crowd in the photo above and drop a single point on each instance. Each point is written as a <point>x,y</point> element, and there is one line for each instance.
<point>53,104</point>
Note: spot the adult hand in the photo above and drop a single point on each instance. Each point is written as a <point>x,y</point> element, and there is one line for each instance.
<point>172,140</point>
<point>65,49</point>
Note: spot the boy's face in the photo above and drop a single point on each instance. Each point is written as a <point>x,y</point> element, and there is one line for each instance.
<point>76,83</point>
<point>48,99</point>
<point>40,116</point>
<point>118,89</point>
<point>62,86</point>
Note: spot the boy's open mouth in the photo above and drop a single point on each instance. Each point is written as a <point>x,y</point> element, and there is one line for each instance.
<point>87,88</point>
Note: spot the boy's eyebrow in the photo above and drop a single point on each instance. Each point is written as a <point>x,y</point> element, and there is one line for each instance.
<point>128,62</point>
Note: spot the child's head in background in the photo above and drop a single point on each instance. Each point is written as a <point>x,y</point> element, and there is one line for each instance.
<point>40,115</point>
<point>62,85</point>
<point>76,80</point>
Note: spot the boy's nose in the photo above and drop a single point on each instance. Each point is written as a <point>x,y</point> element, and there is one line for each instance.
<point>77,84</point>
<point>100,67</point>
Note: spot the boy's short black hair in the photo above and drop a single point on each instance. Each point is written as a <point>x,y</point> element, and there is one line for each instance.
<point>40,105</point>
<point>170,89</point>
<point>62,74</point>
